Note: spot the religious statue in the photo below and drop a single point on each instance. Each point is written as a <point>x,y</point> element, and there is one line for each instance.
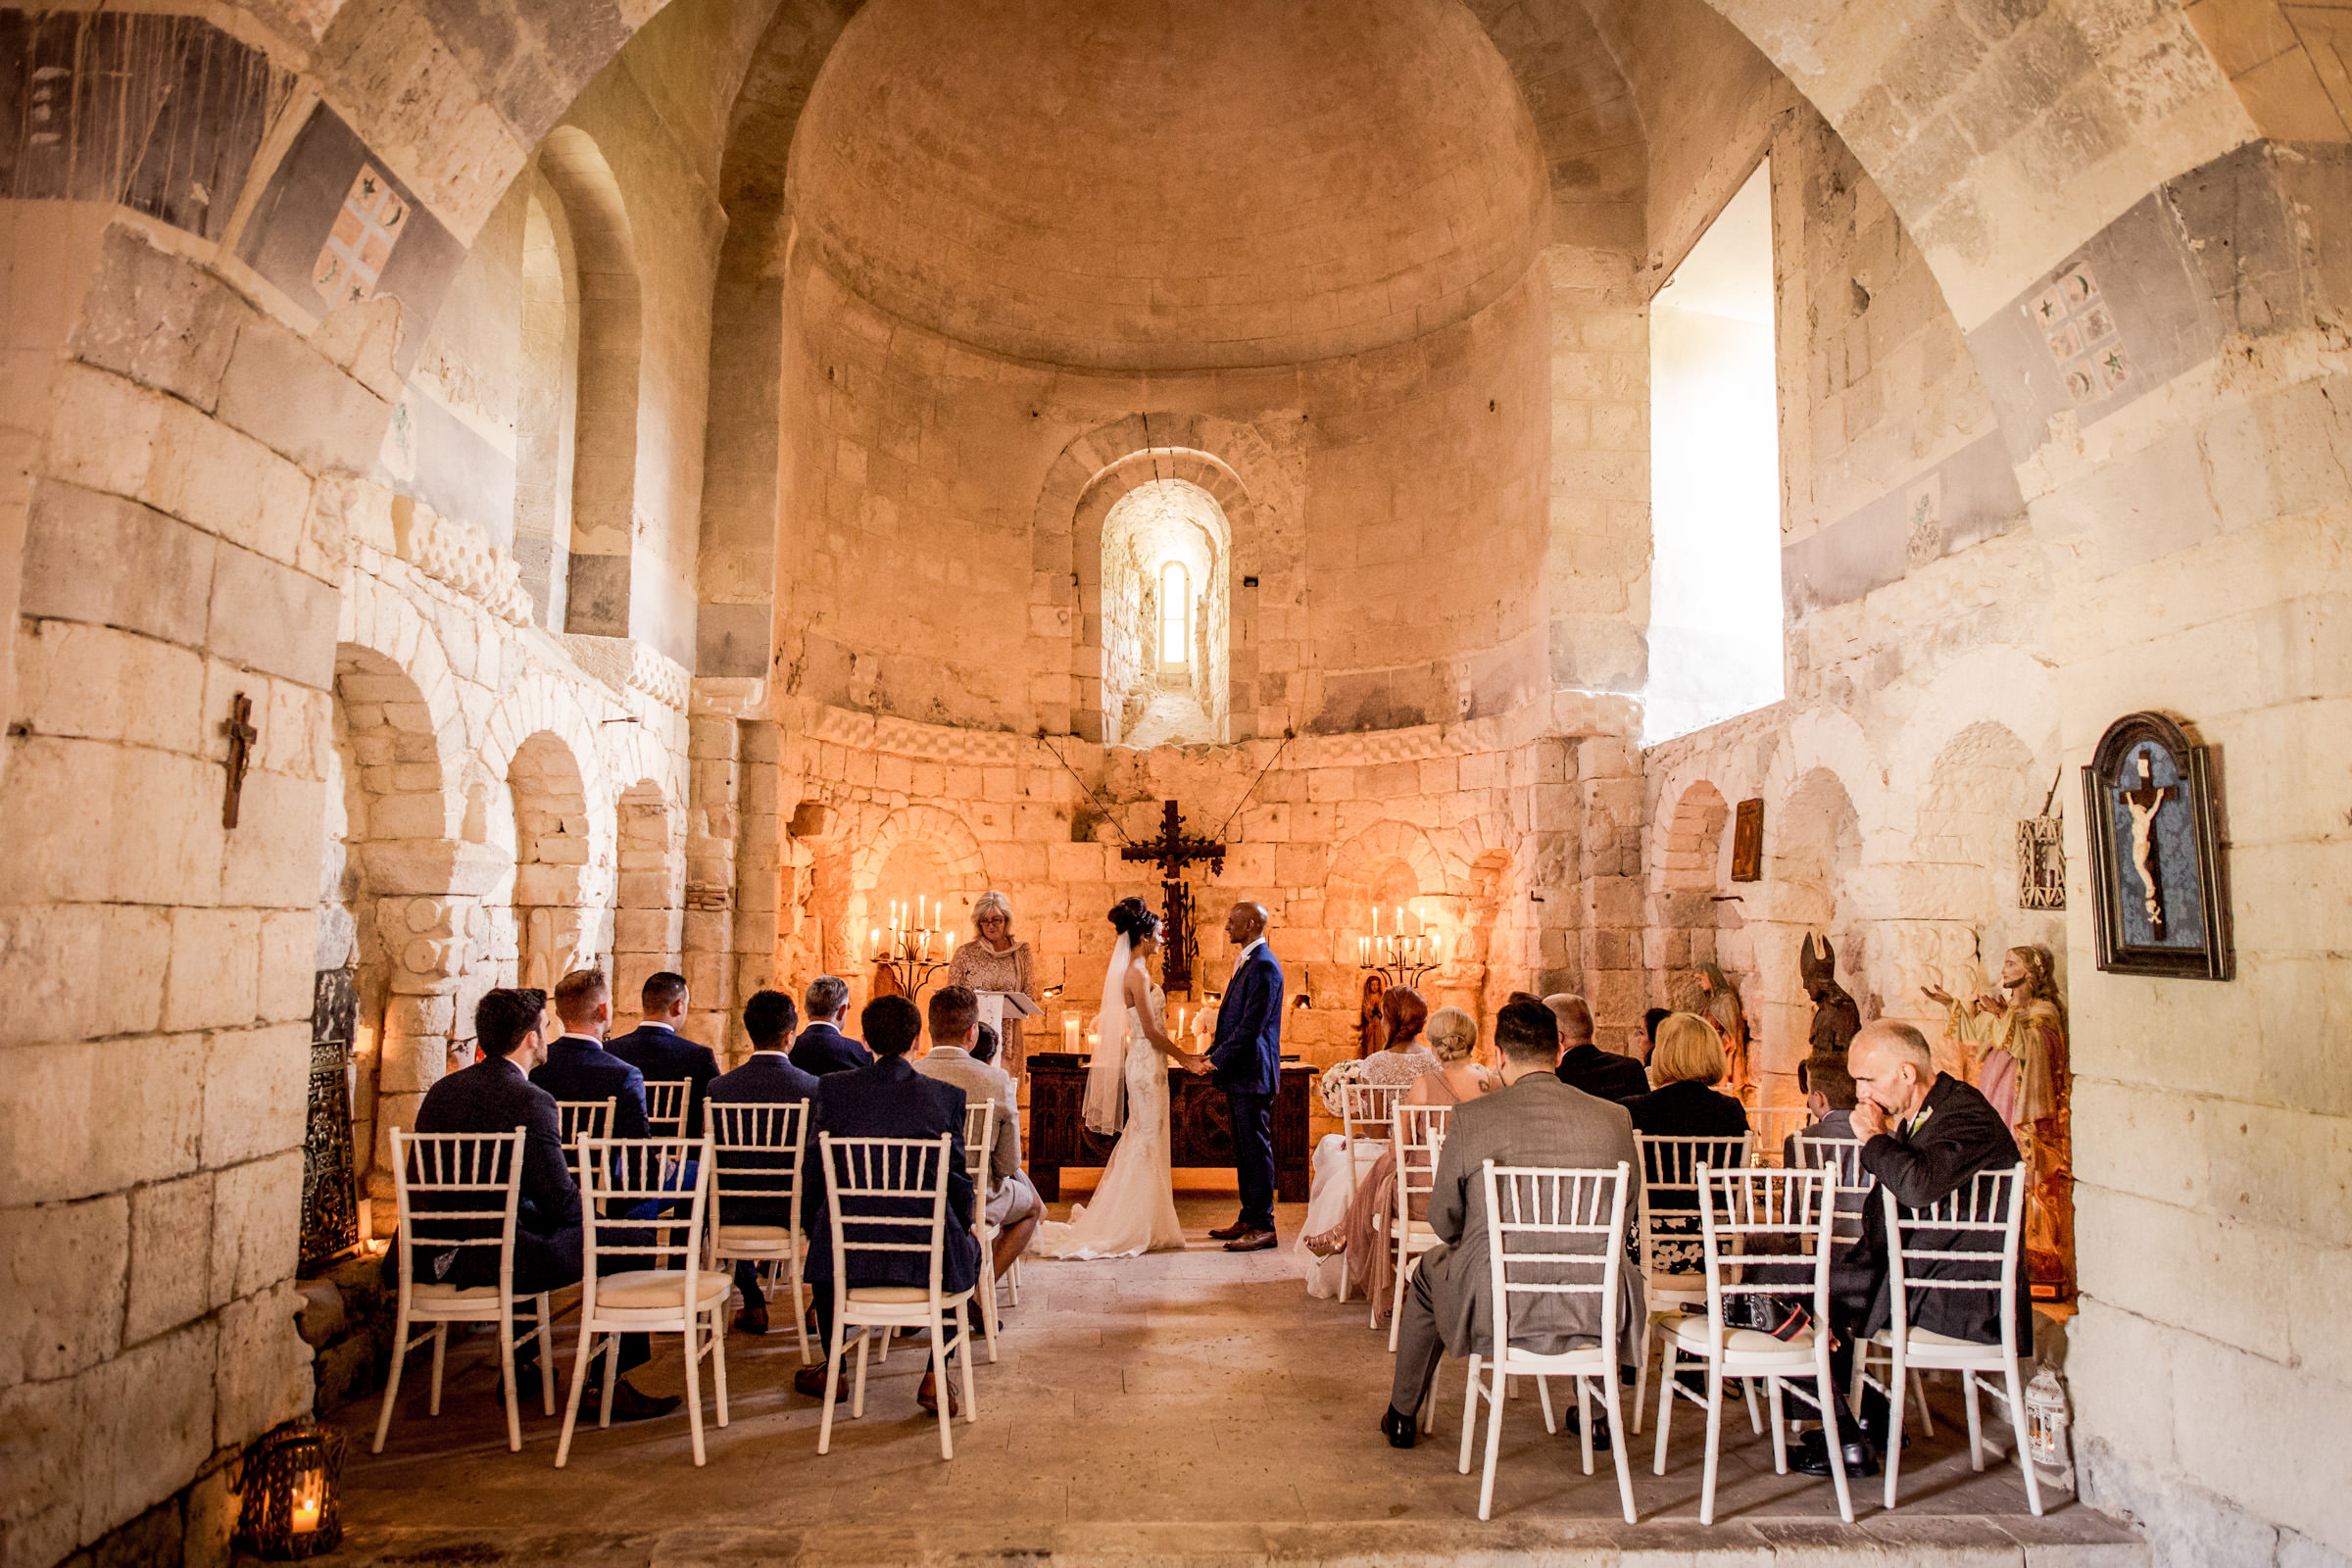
<point>2024,1076</point>
<point>1967,1031</point>
<point>1371,1029</point>
<point>1723,1010</point>
<point>1836,1017</point>
<point>2144,804</point>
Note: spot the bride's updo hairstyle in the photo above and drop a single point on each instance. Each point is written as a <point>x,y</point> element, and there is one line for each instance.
<point>1132,919</point>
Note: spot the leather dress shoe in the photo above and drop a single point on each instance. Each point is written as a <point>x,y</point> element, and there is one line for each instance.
<point>630,1405</point>
<point>752,1320</point>
<point>1251,1242</point>
<point>810,1380</point>
<point>1600,1429</point>
<point>927,1396</point>
<point>1402,1428</point>
<point>1228,1233</point>
<point>1811,1457</point>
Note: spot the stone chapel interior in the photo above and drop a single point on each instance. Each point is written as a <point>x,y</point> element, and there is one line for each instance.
<point>676,483</point>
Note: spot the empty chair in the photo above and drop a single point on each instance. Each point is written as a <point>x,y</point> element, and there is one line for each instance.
<point>1788,1215</point>
<point>582,1118</point>
<point>1416,1135</point>
<point>899,1187</point>
<point>665,1102</point>
<point>1666,1220</point>
<point>754,1197</point>
<point>1552,1233</point>
<point>460,1192</point>
<point>979,1137</point>
<point>625,1178</point>
<point>1977,1228</point>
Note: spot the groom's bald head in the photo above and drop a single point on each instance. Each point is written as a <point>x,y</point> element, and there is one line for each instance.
<point>1247,922</point>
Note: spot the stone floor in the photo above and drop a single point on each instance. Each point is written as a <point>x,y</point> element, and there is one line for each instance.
<point>1184,1407</point>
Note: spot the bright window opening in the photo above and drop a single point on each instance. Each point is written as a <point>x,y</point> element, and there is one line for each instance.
<point>1175,617</point>
<point>1715,633</point>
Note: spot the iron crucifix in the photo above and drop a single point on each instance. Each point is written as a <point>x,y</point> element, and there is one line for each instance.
<point>1172,852</point>
<point>242,736</point>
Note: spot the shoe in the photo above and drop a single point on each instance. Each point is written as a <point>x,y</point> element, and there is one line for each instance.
<point>1402,1428</point>
<point>927,1396</point>
<point>1251,1242</point>
<point>1811,1457</point>
<point>810,1380</point>
<point>1600,1429</point>
<point>1228,1233</point>
<point>630,1405</point>
<point>752,1320</point>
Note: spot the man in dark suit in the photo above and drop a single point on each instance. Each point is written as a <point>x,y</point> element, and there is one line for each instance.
<point>1925,1136</point>
<point>1247,1058</point>
<point>822,1048</point>
<point>768,1077</point>
<point>888,1099</point>
<point>1602,1074</point>
<point>659,1054</point>
<point>1533,1119</point>
<point>577,1065</point>
<point>494,1096</point>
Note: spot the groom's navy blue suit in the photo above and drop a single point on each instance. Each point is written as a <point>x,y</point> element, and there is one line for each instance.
<point>1247,1059</point>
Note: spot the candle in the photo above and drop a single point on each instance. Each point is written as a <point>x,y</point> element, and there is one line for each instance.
<point>310,1502</point>
<point>1093,1040</point>
<point>1069,1033</point>
<point>1376,919</point>
<point>874,942</point>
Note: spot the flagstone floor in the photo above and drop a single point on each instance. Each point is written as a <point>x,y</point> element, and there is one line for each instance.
<point>1183,1407</point>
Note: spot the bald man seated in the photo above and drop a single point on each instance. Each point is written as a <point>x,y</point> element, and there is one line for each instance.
<point>1925,1135</point>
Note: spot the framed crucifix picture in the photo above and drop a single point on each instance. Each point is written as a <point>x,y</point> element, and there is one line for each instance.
<point>2160,896</point>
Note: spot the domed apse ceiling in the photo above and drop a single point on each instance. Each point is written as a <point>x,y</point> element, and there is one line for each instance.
<point>1164,185</point>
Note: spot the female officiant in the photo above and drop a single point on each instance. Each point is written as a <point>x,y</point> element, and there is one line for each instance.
<point>994,961</point>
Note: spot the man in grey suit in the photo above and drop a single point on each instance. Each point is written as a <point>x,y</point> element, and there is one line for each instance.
<point>1533,1119</point>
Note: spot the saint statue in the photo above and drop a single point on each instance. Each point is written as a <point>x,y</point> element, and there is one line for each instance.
<point>2024,1074</point>
<point>1371,1030</point>
<point>1723,1010</point>
<point>1967,1030</point>
<point>1837,1019</point>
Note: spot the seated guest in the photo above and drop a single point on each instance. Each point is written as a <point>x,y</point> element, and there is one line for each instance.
<point>766,1077</point>
<point>985,1046</point>
<point>888,1099</point>
<point>1533,1119</point>
<point>659,1054</point>
<point>822,1048</point>
<point>1686,1065</point>
<point>1014,1207</point>
<point>1404,1059</point>
<point>1650,1029</point>
<point>1925,1135</point>
<point>1452,1036</point>
<point>1602,1074</point>
<point>1829,1099</point>
<point>577,1065</point>
<point>494,1096</point>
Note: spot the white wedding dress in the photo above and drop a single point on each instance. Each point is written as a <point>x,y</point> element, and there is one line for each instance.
<point>1133,1208</point>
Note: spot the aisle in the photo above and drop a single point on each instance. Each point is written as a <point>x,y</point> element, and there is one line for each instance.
<point>1134,1404</point>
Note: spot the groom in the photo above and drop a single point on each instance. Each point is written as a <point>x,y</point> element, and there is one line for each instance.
<point>1247,1061</point>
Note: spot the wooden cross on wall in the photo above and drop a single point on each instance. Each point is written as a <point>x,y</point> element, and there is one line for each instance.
<point>242,736</point>
<point>1172,852</point>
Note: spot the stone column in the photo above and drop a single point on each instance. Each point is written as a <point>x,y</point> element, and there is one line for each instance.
<point>711,816</point>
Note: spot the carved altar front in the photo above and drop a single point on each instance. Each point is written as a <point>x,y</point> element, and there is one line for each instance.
<point>1200,1125</point>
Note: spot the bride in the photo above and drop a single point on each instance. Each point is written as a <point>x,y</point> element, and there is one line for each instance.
<point>1134,1209</point>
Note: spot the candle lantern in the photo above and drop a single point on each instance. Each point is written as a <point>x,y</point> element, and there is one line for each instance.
<point>287,1493</point>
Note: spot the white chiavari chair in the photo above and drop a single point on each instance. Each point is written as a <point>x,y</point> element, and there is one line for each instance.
<point>577,1119</point>
<point>1552,1233</point>
<point>1989,1210</point>
<point>628,1180</point>
<point>759,1178</point>
<point>460,1193</point>
<point>665,1105</point>
<point>1416,1137</point>
<point>1747,1216</point>
<point>1844,1155</point>
<point>979,1133</point>
<point>884,1177</point>
<point>1666,1232</point>
<point>1366,1113</point>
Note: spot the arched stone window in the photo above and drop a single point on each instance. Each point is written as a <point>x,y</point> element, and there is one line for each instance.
<point>1167,573</point>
